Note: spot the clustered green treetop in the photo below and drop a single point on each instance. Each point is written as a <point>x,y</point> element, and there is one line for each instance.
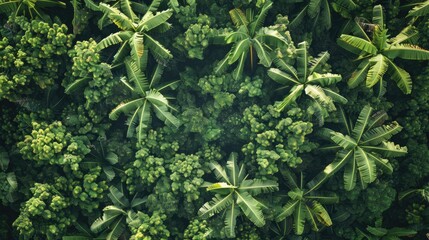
<point>185,119</point>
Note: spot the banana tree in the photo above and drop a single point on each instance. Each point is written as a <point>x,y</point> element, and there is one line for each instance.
<point>146,96</point>
<point>31,8</point>
<point>115,217</point>
<point>249,38</point>
<point>135,35</point>
<point>377,54</point>
<point>361,149</point>
<point>305,205</point>
<point>304,78</point>
<point>234,194</point>
<point>423,192</point>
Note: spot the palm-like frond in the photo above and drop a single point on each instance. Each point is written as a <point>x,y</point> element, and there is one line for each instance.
<point>318,62</point>
<point>345,141</point>
<point>407,51</point>
<point>400,76</point>
<point>350,175</point>
<point>321,214</point>
<point>377,70</point>
<point>116,229</point>
<point>126,107</point>
<point>356,45</point>
<point>281,77</point>
<point>137,77</point>
<point>151,21</point>
<point>359,74</point>
<point>379,134</point>
<point>302,61</point>
<point>238,17</point>
<point>420,10</point>
<point>378,15</point>
<point>118,198</point>
<point>361,123</point>
<point>408,34</point>
<point>289,99</point>
<point>113,39</point>
<point>217,204</point>
<point>251,208</point>
<point>257,186</point>
<point>231,220</point>
<point>257,24</point>
<point>299,218</point>
<point>366,166</point>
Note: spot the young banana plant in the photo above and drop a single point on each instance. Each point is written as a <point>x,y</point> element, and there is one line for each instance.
<point>305,205</point>
<point>361,149</point>
<point>234,195</point>
<point>250,38</point>
<point>115,217</point>
<point>377,52</point>
<point>136,34</point>
<point>305,78</point>
<point>146,97</point>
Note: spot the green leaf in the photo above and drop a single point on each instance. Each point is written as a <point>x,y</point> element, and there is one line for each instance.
<point>314,8</point>
<point>113,39</point>
<point>324,80</point>
<point>382,163</point>
<point>345,141</point>
<point>378,16</point>
<point>361,123</point>
<point>356,45</point>
<point>376,71</point>
<point>400,76</point>
<point>317,94</point>
<point>289,99</point>
<point>126,107</point>
<point>251,208</point>
<point>160,53</point>
<point>409,33</point>
<point>406,51</point>
<point>263,55</point>
<point>257,186</point>
<point>302,61</point>
<point>238,50</point>
<point>217,204</point>
<point>402,232</point>
<point>219,172</point>
<point>151,21</point>
<point>379,134</point>
<point>4,159</point>
<point>109,172</point>
<point>282,65</point>
<point>137,77</point>
<point>116,229</point>
<point>287,210</point>
<point>259,21</point>
<point>342,158</point>
<point>359,74</point>
<point>236,74</point>
<point>168,118</point>
<point>336,97</point>
<point>310,216</point>
<point>11,179</point>
<point>118,197</point>
<point>238,17</point>
<point>281,77</point>
<point>420,10</point>
<point>318,62</point>
<point>387,149</point>
<point>321,214</point>
<point>220,186</point>
<point>232,168</point>
<point>366,166</point>
<point>231,220</point>
<point>350,175</point>
<point>76,85</point>
<point>127,9</point>
<point>299,218</point>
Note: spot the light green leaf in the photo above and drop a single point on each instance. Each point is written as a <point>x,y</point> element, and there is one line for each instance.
<point>251,208</point>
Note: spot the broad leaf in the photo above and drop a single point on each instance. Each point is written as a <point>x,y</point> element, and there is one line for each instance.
<point>356,45</point>
<point>250,208</point>
<point>361,123</point>
<point>366,166</point>
<point>420,10</point>
<point>257,186</point>
<point>231,220</point>
<point>400,76</point>
<point>217,204</point>
<point>377,70</point>
<point>379,134</point>
<point>406,51</point>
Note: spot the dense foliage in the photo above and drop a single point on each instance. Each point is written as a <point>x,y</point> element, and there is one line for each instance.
<point>185,119</point>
